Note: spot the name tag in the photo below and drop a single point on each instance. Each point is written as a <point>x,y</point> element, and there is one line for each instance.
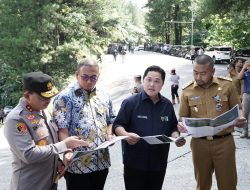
<point>142,116</point>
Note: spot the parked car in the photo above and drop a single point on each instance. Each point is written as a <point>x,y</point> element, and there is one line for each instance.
<point>242,53</point>
<point>140,47</point>
<point>7,110</point>
<point>219,53</point>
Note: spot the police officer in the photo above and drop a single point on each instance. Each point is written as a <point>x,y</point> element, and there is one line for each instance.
<point>207,97</point>
<point>33,138</point>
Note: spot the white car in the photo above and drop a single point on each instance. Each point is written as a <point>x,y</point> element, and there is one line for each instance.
<point>219,53</point>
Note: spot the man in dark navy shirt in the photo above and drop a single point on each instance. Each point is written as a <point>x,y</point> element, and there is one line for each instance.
<point>145,114</point>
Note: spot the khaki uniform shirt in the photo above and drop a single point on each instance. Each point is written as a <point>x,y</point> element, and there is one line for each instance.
<point>236,82</point>
<point>197,102</point>
<point>34,147</point>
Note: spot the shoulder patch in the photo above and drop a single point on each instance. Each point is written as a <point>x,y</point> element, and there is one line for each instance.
<point>188,84</point>
<point>224,78</point>
<point>22,128</point>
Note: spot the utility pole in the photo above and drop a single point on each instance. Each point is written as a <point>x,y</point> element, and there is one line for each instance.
<point>184,22</point>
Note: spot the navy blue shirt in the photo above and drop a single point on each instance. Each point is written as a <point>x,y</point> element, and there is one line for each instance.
<point>138,114</point>
<point>246,86</point>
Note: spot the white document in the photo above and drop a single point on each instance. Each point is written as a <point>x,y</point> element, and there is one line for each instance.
<point>200,127</point>
<point>161,139</point>
<point>77,154</point>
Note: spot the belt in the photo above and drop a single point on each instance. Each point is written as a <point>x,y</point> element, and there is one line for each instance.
<point>210,138</point>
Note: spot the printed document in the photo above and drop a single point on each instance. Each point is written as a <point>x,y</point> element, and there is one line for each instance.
<point>161,139</point>
<point>200,127</point>
<point>77,154</point>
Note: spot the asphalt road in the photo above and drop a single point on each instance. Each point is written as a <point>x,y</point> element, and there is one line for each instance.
<point>117,78</point>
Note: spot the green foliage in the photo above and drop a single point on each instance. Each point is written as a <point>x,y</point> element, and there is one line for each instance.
<point>158,18</point>
<point>53,35</point>
<point>216,22</point>
<point>229,26</point>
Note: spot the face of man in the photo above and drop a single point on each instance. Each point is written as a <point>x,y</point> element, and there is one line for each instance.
<point>87,77</point>
<point>238,66</point>
<point>152,83</point>
<point>36,101</point>
<point>248,65</point>
<point>203,74</point>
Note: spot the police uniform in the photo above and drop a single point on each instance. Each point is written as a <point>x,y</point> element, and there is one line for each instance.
<point>31,137</point>
<point>215,153</point>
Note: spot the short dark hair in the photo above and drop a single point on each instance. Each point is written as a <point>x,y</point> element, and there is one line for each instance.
<point>204,59</point>
<point>87,62</point>
<point>156,69</point>
<point>239,59</point>
<point>232,65</point>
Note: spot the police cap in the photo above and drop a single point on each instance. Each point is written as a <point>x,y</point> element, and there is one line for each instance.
<point>40,83</point>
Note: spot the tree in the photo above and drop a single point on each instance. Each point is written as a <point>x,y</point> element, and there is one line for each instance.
<point>53,35</point>
<point>161,12</point>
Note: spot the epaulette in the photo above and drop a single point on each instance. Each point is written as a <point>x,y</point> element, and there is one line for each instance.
<point>224,78</point>
<point>188,84</point>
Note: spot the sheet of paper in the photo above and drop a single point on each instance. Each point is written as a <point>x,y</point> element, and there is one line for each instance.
<point>200,127</point>
<point>77,154</point>
<point>161,139</point>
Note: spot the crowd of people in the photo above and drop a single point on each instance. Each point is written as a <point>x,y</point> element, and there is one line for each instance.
<point>83,117</point>
<point>239,72</point>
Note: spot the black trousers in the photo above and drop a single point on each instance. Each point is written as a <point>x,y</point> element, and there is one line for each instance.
<point>89,181</point>
<point>143,180</point>
<point>174,91</point>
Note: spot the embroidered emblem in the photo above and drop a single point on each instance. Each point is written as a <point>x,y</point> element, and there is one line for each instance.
<point>41,132</point>
<point>35,121</point>
<point>49,85</point>
<point>218,105</point>
<point>42,142</point>
<point>30,117</point>
<point>142,116</point>
<point>22,128</point>
<point>164,118</point>
<point>195,98</point>
<point>195,109</point>
<point>29,108</point>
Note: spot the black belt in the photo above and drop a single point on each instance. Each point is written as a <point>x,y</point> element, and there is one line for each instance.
<point>210,138</point>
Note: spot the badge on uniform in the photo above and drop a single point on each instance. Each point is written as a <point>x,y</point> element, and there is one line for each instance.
<point>22,128</point>
<point>218,105</point>
<point>42,142</point>
<point>164,118</point>
<point>30,117</point>
<point>195,109</point>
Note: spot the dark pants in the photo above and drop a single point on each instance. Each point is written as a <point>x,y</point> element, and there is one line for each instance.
<point>88,181</point>
<point>143,180</point>
<point>174,91</point>
<point>1,120</point>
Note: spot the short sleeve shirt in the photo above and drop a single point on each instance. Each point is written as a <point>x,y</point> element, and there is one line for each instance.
<point>198,102</point>
<point>87,116</point>
<point>246,86</point>
<point>138,114</point>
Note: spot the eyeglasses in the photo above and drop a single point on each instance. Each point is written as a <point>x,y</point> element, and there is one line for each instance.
<point>92,78</point>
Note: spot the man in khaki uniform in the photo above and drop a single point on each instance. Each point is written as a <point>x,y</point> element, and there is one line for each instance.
<point>207,97</point>
<point>232,73</point>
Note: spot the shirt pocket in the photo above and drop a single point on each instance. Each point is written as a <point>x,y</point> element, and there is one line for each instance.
<point>225,104</point>
<point>196,107</point>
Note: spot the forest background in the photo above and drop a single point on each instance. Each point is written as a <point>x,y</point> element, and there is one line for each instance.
<point>53,35</point>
